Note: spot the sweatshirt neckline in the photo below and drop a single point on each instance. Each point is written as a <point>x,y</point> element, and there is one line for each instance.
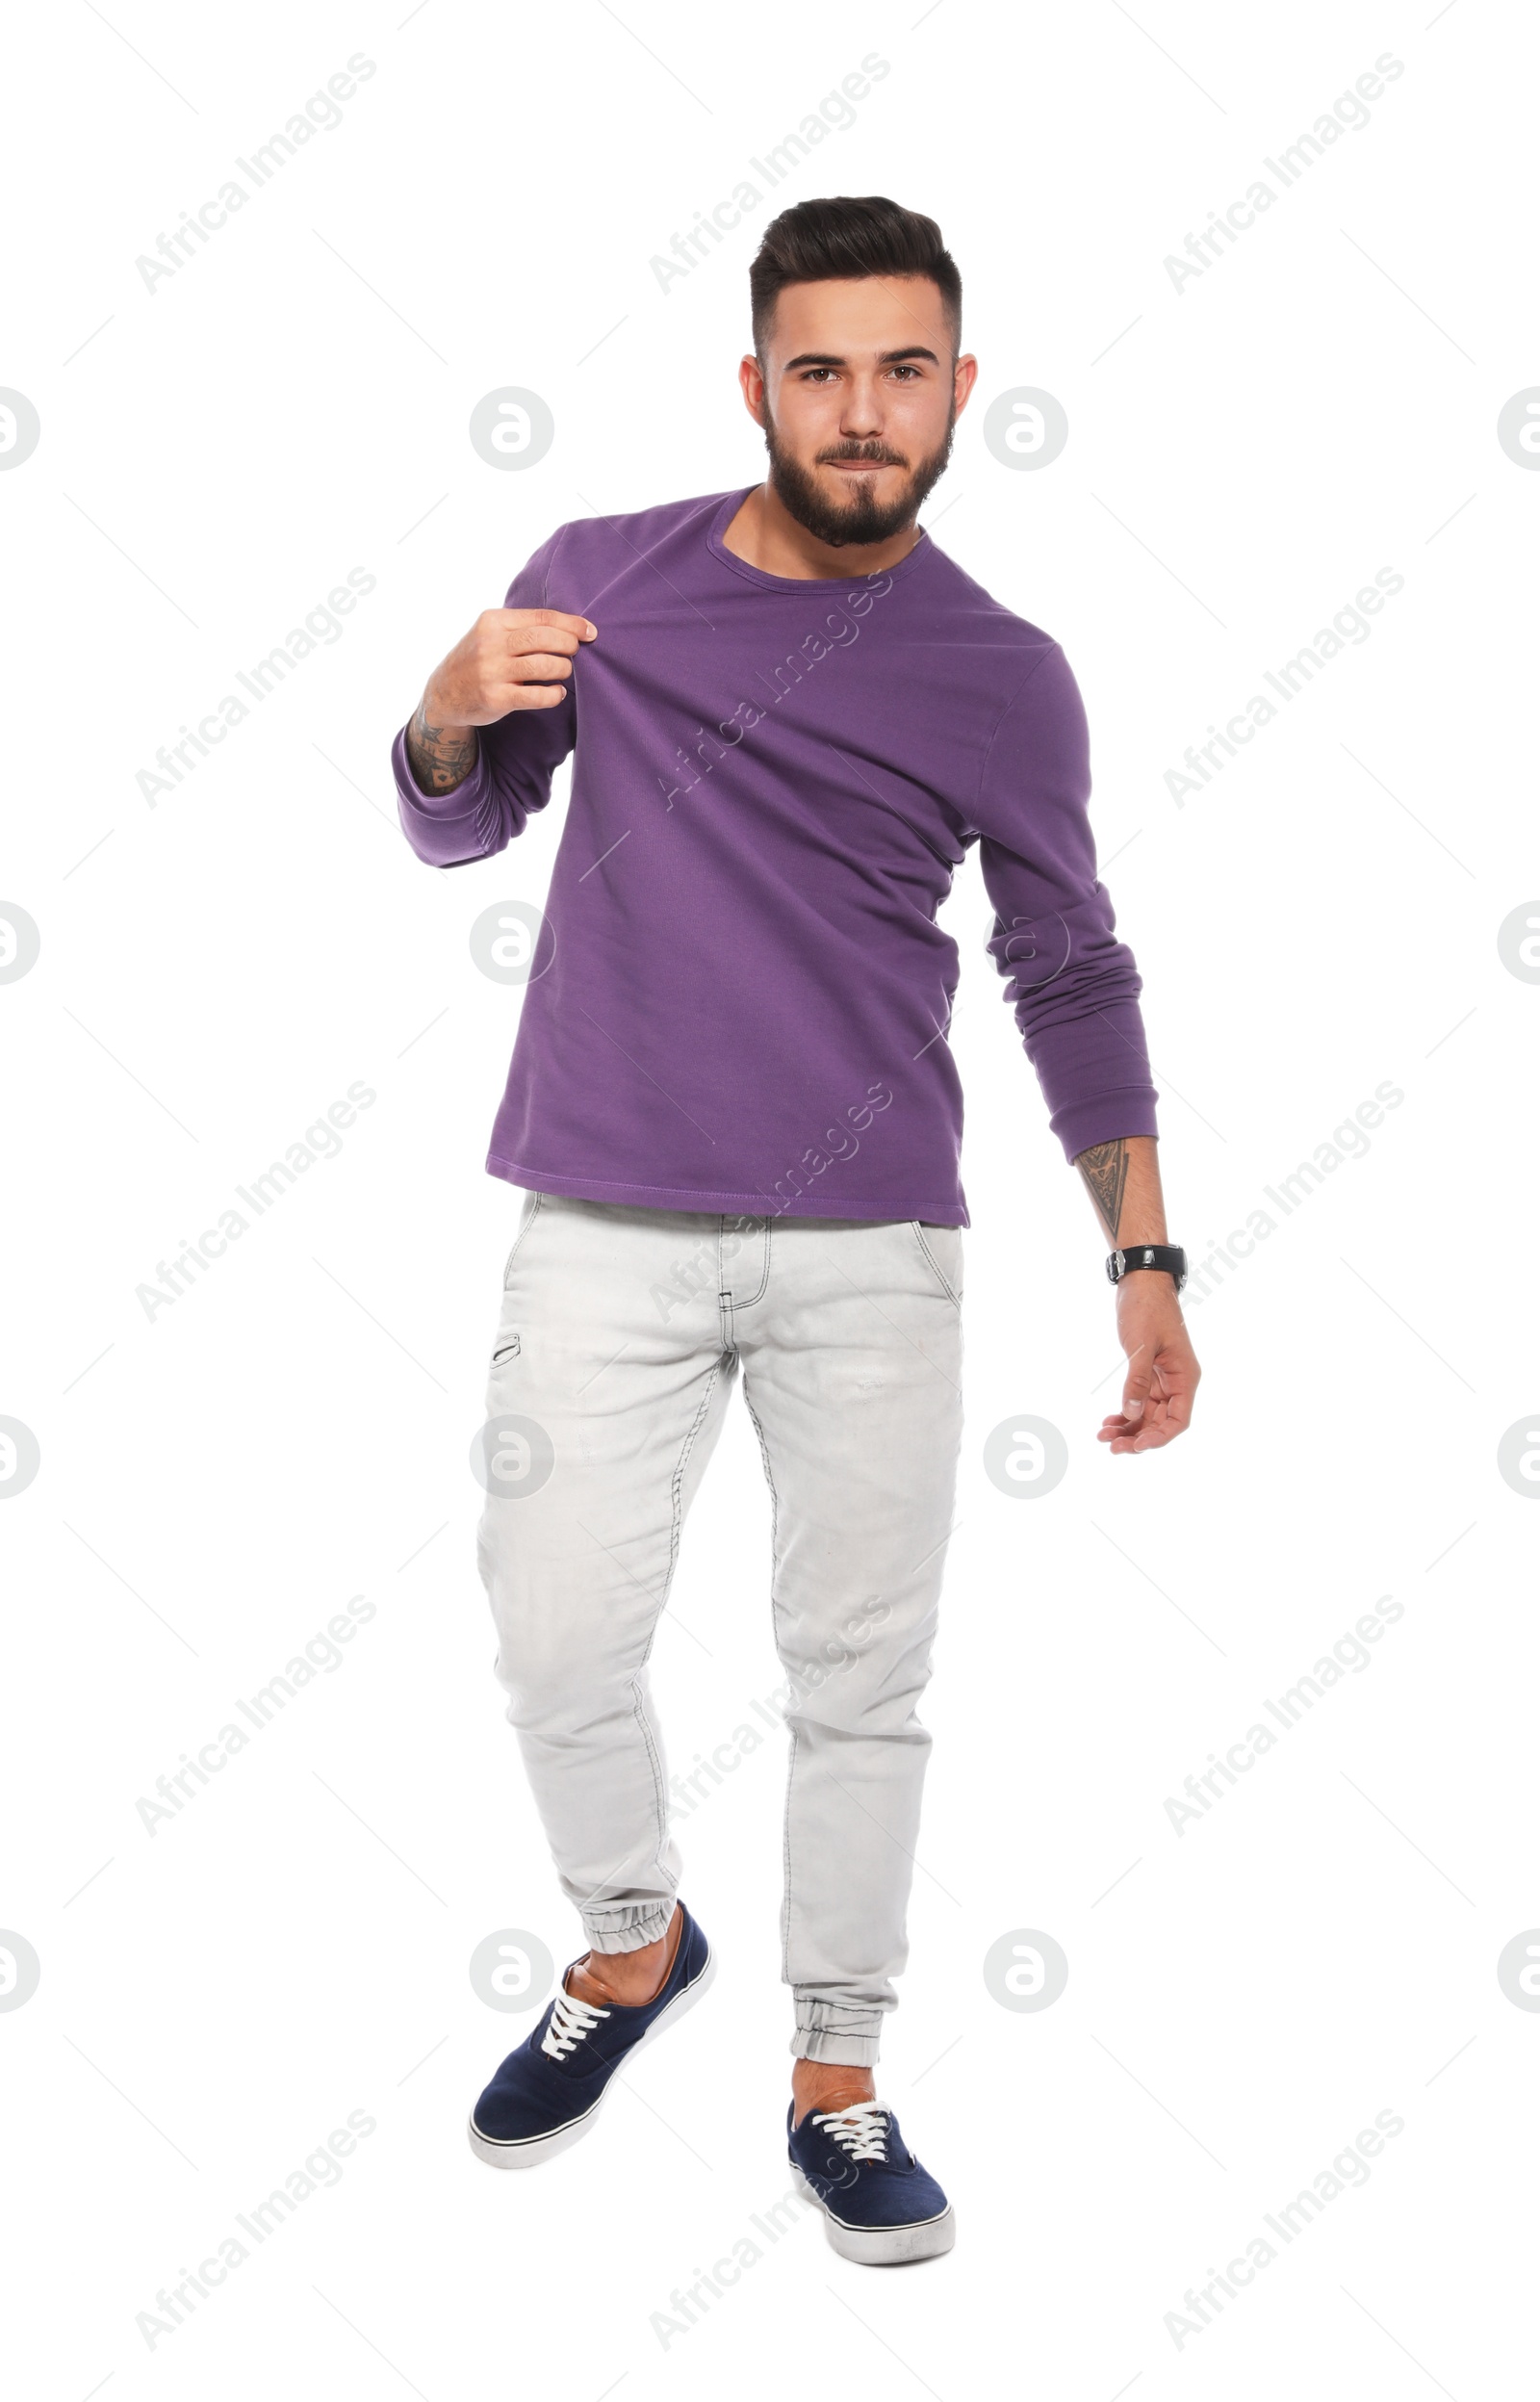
<point>729,509</point>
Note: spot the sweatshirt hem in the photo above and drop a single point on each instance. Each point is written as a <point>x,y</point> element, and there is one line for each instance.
<point>717,1201</point>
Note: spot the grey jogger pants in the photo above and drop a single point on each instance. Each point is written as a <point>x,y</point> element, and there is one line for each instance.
<point>621,1329</point>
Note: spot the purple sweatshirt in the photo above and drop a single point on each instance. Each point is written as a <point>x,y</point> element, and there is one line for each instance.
<point>740,996</point>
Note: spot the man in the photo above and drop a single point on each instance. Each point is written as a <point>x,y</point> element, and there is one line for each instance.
<point>737,1123</point>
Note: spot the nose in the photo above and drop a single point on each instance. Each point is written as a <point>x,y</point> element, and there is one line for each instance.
<point>860,420</point>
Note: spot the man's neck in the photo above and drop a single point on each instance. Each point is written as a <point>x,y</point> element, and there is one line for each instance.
<point>766,536</point>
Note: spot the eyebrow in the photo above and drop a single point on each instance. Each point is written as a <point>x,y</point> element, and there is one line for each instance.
<point>886,359</point>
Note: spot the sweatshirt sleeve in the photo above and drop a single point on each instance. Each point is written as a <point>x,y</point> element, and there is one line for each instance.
<point>1074,987</point>
<point>516,760</point>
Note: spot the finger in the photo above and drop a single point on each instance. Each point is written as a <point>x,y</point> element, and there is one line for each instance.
<point>1153,1435</point>
<point>529,696</point>
<point>1175,1389</point>
<point>538,620</point>
<point>539,667</point>
<point>1161,1422</point>
<point>520,642</point>
<point>584,626</point>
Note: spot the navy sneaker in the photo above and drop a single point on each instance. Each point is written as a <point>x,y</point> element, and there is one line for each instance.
<point>880,2207</point>
<point>547,2093</point>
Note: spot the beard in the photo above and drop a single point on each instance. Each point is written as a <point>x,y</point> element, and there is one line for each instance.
<point>862,518</point>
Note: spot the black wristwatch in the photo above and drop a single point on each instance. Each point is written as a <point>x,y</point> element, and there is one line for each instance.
<point>1167,1255</point>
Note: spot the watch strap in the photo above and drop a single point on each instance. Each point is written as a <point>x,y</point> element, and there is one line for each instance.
<point>1167,1257</point>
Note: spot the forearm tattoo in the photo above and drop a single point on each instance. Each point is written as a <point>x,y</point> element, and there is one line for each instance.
<point>441,758</point>
<point>1105,1169</point>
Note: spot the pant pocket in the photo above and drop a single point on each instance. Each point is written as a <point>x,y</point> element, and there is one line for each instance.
<point>531,1211</point>
<point>942,1248</point>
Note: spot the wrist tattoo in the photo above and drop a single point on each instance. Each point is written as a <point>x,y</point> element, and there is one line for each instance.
<point>1105,1170</point>
<point>440,757</point>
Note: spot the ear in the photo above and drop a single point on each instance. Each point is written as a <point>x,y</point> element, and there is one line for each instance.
<point>751,383</point>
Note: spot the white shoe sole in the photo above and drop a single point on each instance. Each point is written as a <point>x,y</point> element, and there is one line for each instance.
<point>536,2149</point>
<point>883,2247</point>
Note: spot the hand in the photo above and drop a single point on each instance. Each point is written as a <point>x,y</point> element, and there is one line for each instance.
<point>511,658</point>
<point>1163,1370</point>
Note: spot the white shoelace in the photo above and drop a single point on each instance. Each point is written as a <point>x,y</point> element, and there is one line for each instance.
<point>861,2129</point>
<point>570,2021</point>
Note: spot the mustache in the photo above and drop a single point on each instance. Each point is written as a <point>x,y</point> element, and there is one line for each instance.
<point>870,453</point>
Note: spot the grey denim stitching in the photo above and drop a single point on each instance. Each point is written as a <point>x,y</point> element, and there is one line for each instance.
<point>775,1606</point>
<point>956,1298</point>
<point>765,1281</point>
<point>519,1238</point>
<point>655,1764</point>
<point>785,1868</point>
<point>676,1492</point>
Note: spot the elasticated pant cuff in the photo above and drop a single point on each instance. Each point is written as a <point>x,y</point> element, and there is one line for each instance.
<point>628,1929</point>
<point>829,2030</point>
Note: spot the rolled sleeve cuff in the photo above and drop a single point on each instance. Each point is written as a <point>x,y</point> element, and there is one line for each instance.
<point>447,814</point>
<point>1081,1124</point>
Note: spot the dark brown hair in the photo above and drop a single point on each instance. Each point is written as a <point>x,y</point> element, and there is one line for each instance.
<point>822,241</point>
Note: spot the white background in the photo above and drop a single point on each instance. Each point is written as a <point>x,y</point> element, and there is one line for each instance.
<point>1245,454</point>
